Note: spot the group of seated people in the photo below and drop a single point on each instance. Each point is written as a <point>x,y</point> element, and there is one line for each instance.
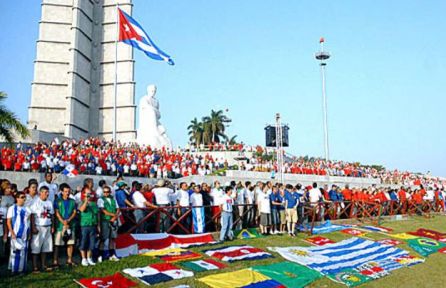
<point>43,218</point>
<point>96,156</point>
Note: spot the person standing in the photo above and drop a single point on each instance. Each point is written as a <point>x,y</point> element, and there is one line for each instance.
<point>42,225</point>
<point>18,221</point>
<point>88,223</point>
<point>31,192</point>
<point>109,213</point>
<point>226,214</point>
<point>196,201</point>
<point>275,206</point>
<point>52,187</point>
<point>162,200</point>
<point>265,211</point>
<point>291,203</point>
<point>65,209</point>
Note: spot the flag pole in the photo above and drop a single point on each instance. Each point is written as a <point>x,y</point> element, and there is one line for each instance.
<point>115,113</point>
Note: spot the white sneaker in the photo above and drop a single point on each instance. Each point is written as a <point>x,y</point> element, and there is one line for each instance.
<point>84,262</point>
<point>114,258</point>
<point>100,259</point>
<point>90,262</point>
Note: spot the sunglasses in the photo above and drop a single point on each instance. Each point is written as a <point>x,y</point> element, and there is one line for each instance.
<point>22,197</point>
<point>105,191</point>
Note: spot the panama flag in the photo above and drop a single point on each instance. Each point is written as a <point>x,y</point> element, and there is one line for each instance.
<point>130,32</point>
<point>158,273</point>
<point>70,171</point>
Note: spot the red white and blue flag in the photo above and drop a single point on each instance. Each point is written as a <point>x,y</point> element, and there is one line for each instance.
<point>133,244</point>
<point>70,171</point>
<point>158,273</point>
<point>236,253</point>
<point>131,33</point>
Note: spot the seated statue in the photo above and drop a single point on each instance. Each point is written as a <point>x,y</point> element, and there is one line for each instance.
<point>151,131</point>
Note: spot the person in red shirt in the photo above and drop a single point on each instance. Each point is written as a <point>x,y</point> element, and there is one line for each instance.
<point>347,193</point>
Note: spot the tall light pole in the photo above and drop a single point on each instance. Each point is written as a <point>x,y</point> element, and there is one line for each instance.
<point>279,147</point>
<point>322,56</point>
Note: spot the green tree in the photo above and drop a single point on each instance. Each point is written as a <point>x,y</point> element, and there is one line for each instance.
<point>9,122</point>
<point>215,125</point>
<point>195,131</point>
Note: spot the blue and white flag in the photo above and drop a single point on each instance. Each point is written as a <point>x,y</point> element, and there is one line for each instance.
<point>347,254</point>
<point>198,219</point>
<point>131,33</point>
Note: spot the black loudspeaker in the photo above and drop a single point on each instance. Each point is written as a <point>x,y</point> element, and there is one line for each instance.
<point>270,136</point>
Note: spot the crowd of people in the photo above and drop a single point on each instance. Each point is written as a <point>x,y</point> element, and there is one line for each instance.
<point>46,218</point>
<point>94,156</point>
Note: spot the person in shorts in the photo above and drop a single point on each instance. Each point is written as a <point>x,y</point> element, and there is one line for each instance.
<point>291,203</point>
<point>109,212</point>
<point>42,225</point>
<point>65,211</point>
<point>265,211</point>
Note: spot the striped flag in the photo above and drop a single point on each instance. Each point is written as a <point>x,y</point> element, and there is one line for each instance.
<point>204,265</point>
<point>333,258</point>
<point>158,273</point>
<point>198,219</point>
<point>236,253</point>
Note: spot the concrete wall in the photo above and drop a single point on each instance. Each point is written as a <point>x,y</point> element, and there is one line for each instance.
<point>21,179</point>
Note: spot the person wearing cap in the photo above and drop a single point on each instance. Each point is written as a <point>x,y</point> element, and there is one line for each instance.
<point>122,196</point>
<point>18,221</point>
<point>65,211</point>
<point>109,212</point>
<point>42,225</point>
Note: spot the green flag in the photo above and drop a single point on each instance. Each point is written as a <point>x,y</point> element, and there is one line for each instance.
<point>289,274</point>
<point>425,246</point>
<point>247,233</point>
<point>349,277</point>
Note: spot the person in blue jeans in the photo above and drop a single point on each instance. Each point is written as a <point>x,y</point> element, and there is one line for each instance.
<point>275,206</point>
<point>227,201</point>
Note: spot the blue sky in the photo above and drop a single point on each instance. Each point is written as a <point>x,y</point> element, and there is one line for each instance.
<point>385,80</point>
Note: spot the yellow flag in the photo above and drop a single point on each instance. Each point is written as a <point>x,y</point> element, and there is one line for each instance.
<point>238,278</point>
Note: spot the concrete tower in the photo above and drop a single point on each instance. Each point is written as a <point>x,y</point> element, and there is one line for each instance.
<point>72,92</point>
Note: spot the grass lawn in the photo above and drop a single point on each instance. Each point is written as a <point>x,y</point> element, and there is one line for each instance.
<point>429,274</point>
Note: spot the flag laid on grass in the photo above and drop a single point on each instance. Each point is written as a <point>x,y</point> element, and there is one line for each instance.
<point>377,229</point>
<point>334,258</point>
<point>403,236</point>
<point>289,274</point>
<point>113,281</point>
<point>391,242</point>
<point>349,277</point>
<point>247,233</point>
<point>173,254</point>
<point>425,246</point>
<point>353,232</point>
<point>319,241</point>
<point>372,270</point>
<point>158,273</point>
<point>236,253</point>
<point>387,264</point>
<point>133,244</point>
<point>426,233</point>
<point>327,227</point>
<point>245,278</point>
<point>408,260</point>
<point>442,251</point>
<point>203,265</point>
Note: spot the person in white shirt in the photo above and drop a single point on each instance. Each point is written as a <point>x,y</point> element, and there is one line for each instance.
<point>162,193</point>
<point>42,225</point>
<point>183,202</point>
<point>314,195</point>
<point>196,201</point>
<point>52,187</point>
<point>140,202</point>
<point>226,215</point>
<point>18,222</point>
<point>265,211</point>
<point>240,201</point>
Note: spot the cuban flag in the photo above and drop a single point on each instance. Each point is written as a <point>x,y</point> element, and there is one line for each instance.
<point>236,253</point>
<point>70,171</point>
<point>131,33</point>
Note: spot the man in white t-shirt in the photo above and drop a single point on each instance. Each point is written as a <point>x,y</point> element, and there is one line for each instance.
<point>42,225</point>
<point>314,195</point>
<point>265,211</point>
<point>141,202</point>
<point>52,187</point>
<point>183,202</point>
<point>226,203</point>
<point>162,199</point>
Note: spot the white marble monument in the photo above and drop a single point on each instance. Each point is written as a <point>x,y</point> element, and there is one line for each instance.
<point>151,131</point>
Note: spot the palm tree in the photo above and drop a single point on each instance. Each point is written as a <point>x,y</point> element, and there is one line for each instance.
<point>195,131</point>
<point>9,122</point>
<point>231,141</point>
<point>216,124</point>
